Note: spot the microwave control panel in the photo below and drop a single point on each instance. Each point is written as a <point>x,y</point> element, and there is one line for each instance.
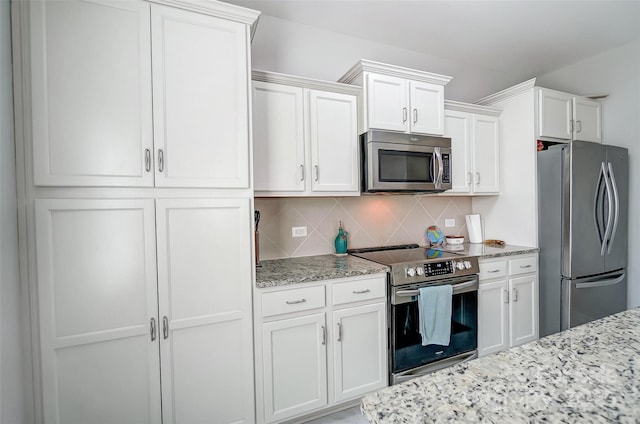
<point>446,165</point>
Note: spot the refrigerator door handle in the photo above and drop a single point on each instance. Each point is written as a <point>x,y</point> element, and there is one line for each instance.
<point>607,231</point>
<point>616,207</point>
<point>601,283</point>
<point>598,206</point>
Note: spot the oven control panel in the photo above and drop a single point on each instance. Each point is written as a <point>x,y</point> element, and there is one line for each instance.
<point>432,269</point>
<point>463,266</point>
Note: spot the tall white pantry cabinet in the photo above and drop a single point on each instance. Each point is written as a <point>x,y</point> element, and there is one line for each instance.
<point>136,200</point>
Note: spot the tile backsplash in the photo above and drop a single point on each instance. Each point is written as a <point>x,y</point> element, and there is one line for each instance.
<point>369,220</point>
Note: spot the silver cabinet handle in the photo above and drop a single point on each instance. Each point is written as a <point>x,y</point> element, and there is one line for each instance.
<point>404,115</point>
<point>160,160</point>
<point>506,296</point>
<point>493,271</point>
<point>477,178</point>
<point>301,172</point>
<point>316,171</point>
<point>570,126</point>
<point>515,294</point>
<point>361,291</point>
<point>579,126</point>
<point>525,266</point>
<point>468,178</point>
<point>165,327</point>
<point>147,160</point>
<point>324,335</point>
<point>339,332</point>
<point>152,329</point>
<point>415,115</point>
<point>293,302</point>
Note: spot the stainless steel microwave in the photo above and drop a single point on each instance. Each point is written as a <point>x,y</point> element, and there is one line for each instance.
<point>405,163</point>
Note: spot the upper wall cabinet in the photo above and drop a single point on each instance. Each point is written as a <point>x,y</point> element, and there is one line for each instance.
<point>565,117</point>
<point>305,136</point>
<point>133,94</point>
<point>475,143</point>
<point>399,99</point>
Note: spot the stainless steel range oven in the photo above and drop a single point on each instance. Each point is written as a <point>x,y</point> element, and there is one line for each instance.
<point>412,268</point>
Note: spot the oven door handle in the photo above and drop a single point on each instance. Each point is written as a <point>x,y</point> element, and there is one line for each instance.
<point>456,289</point>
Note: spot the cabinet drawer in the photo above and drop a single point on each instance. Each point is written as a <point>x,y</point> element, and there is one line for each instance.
<point>523,265</point>
<point>493,269</point>
<point>354,291</point>
<point>285,301</point>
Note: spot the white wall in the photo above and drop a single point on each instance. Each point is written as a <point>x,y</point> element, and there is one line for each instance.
<point>12,409</point>
<point>291,48</point>
<point>616,72</point>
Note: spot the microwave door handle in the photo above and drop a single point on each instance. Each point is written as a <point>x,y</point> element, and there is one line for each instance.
<point>438,179</point>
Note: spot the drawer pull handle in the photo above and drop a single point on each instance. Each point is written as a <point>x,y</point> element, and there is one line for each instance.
<point>361,291</point>
<point>525,266</point>
<point>493,271</point>
<point>293,302</point>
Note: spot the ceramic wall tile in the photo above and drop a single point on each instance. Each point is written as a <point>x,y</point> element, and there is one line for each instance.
<point>370,221</point>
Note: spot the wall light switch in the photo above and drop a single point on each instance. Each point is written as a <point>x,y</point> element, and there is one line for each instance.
<point>449,222</point>
<point>298,231</point>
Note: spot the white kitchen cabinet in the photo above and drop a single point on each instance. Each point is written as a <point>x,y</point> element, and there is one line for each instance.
<point>305,137</point>
<point>110,330</point>
<point>320,344</point>
<point>399,99</point>
<point>565,117</point>
<point>507,303</point>
<point>475,143</point>
<point>94,120</point>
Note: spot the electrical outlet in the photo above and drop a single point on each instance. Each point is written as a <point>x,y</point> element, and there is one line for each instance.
<point>449,222</point>
<point>298,231</point>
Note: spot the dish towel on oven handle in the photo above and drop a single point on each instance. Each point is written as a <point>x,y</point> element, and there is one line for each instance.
<point>434,311</point>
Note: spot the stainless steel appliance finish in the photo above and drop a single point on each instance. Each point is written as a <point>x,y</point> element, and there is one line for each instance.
<point>405,163</point>
<point>583,198</point>
<point>412,268</point>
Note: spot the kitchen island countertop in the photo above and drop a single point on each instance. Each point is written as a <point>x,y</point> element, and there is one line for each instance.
<point>589,373</point>
<point>282,272</point>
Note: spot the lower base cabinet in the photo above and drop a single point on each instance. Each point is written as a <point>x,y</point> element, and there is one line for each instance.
<point>507,303</point>
<point>314,354</point>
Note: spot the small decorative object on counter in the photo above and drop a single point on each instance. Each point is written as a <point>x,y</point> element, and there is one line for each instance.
<point>435,235</point>
<point>495,243</point>
<point>341,241</point>
<point>454,239</point>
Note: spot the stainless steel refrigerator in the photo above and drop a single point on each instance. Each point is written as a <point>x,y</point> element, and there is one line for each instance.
<point>582,233</point>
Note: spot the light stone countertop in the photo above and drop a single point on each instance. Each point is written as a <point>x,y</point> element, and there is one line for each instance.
<point>282,272</point>
<point>588,374</point>
<point>482,251</point>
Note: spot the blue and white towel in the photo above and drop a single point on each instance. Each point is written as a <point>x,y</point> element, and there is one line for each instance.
<point>434,310</point>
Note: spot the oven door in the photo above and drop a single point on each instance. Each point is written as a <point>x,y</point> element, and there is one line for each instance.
<point>408,357</point>
<point>405,167</point>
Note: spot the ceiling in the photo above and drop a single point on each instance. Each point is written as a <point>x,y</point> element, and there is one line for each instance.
<point>521,37</point>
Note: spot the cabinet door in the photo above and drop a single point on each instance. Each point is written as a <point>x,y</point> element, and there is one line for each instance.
<point>486,153</point>
<point>333,122</point>
<point>295,369</point>
<point>359,350</point>
<point>457,127</point>
<point>427,108</point>
<point>91,93</point>
<point>493,324</point>
<point>97,298</point>
<point>554,114</point>
<point>278,137</point>
<point>523,309</point>
<point>200,100</point>
<point>204,286</point>
<point>387,103</point>
<point>587,116</point>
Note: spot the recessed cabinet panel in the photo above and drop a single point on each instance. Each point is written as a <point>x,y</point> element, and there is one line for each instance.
<point>486,163</point>
<point>387,103</point>
<point>91,93</point>
<point>587,120</point>
<point>523,312</point>
<point>278,137</point>
<point>333,121</point>
<point>427,108</point>
<point>493,331</point>
<point>554,114</point>
<point>457,127</point>
<point>200,100</point>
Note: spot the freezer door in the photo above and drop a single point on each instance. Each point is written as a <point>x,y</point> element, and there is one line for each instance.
<point>588,299</point>
<point>584,209</point>
<point>617,241</point>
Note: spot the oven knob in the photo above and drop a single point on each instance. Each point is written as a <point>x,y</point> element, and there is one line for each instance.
<point>467,264</point>
<point>419,270</point>
<point>460,265</point>
<point>411,272</point>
